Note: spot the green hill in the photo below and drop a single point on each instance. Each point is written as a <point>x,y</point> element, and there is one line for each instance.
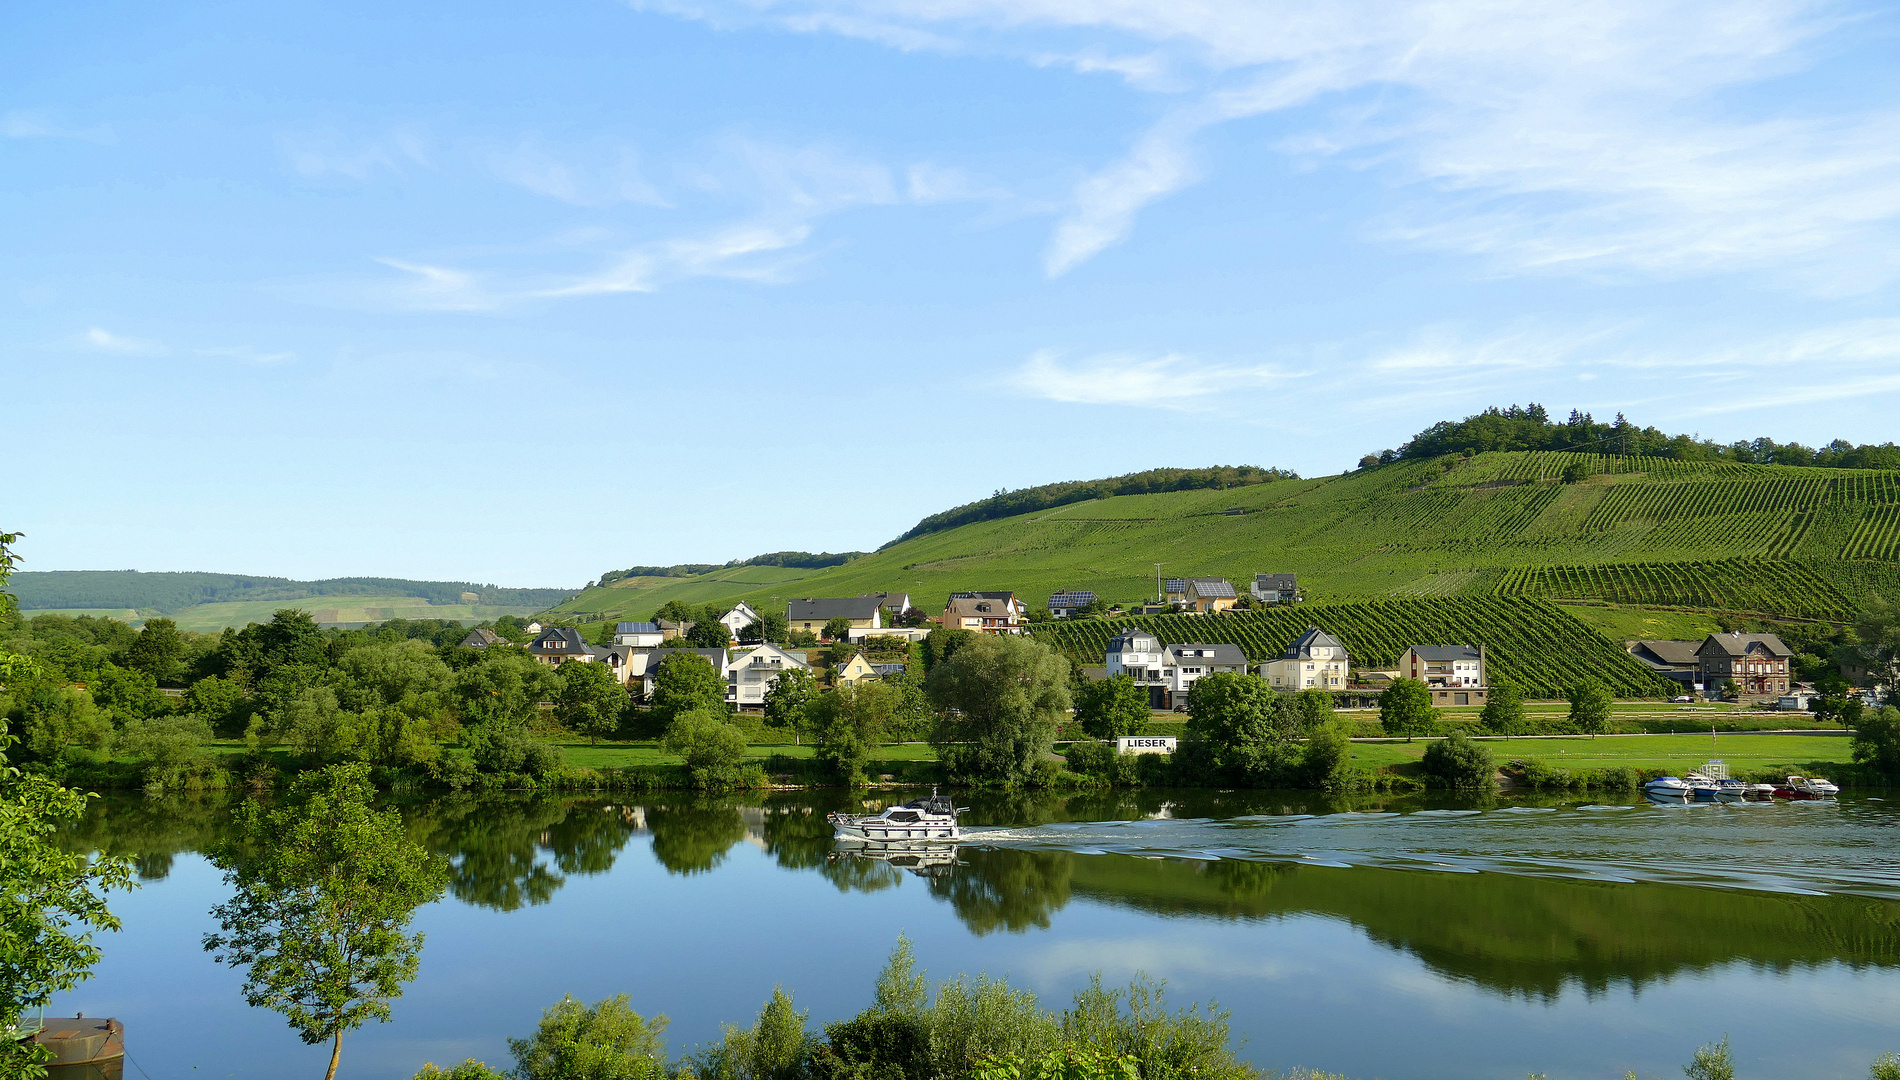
<point>1777,540</point>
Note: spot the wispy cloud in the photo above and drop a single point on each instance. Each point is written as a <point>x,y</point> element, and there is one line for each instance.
<point>330,153</point>
<point>590,177</point>
<point>106,341</point>
<point>99,339</point>
<point>29,124</point>
<point>1623,137</point>
<point>1164,382</point>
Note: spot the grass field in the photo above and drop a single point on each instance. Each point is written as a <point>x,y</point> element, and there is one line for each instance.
<point>1621,624</point>
<point>1743,752</point>
<point>210,618</point>
<point>1775,539</point>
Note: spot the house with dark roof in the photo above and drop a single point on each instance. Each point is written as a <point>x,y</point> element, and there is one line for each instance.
<point>812,613</point>
<point>1676,660</point>
<point>1316,660</point>
<point>1007,599</point>
<point>1204,594</point>
<point>983,615</point>
<point>736,620</point>
<point>1069,601</point>
<point>1275,588</point>
<point>559,645</point>
<point>1757,663</point>
<point>1168,672</point>
<point>639,635</point>
<point>897,603</point>
<point>644,667</point>
<point>481,638</point>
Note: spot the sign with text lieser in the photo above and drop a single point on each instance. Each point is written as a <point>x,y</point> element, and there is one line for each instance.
<point>1145,744</point>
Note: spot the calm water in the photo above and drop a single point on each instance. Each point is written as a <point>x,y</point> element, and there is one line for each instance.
<point>1407,938</point>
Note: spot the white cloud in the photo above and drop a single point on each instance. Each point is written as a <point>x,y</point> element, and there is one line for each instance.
<point>1625,137</point>
<point>107,341</point>
<point>324,153</point>
<point>1166,382</point>
<point>25,124</point>
<point>614,177</point>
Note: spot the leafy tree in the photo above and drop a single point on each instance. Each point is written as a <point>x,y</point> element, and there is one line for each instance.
<point>848,722</point>
<point>678,611</point>
<point>837,629</point>
<point>773,1048</point>
<point>603,1041</point>
<point>1877,741</point>
<point>53,718</point>
<point>157,649</point>
<point>685,682</point>
<point>1326,760</point>
<point>1877,634</point>
<point>221,702</point>
<point>1314,708</point>
<point>127,692</point>
<point>769,626</point>
<point>323,889</point>
<point>1405,708</point>
<point>1112,707</point>
<point>1503,709</point>
<point>505,686</point>
<point>1575,473</point>
<point>467,1070</point>
<point>1457,762</point>
<point>713,747</point>
<point>1234,719</point>
<point>942,643</point>
<point>170,748</point>
<point>708,634</point>
<point>803,639</point>
<point>785,701</point>
<point>52,900</point>
<point>590,700</point>
<point>1005,695</point>
<point>1589,707</point>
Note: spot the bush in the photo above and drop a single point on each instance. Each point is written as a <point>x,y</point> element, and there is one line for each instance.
<point>1877,741</point>
<point>501,748</point>
<point>467,1070</point>
<point>713,748</point>
<point>1457,762</point>
<point>1326,761</point>
<point>1134,1024</point>
<point>1092,758</point>
<point>603,1041</point>
<point>171,748</point>
<point>1712,1062</point>
<point>775,1047</point>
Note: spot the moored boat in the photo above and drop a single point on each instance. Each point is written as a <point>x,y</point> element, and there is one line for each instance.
<point>931,820</point>
<point>1701,788</point>
<point>1806,789</point>
<point>1668,789</point>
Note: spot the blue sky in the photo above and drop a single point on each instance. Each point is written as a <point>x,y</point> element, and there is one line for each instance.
<point>522,293</point>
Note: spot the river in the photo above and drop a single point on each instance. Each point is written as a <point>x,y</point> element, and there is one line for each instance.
<point>1407,937</point>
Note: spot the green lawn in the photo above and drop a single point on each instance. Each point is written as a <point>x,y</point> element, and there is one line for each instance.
<point>1743,752</point>
<point>1639,624</point>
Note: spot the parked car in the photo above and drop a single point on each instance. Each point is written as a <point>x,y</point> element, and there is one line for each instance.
<point>1181,707</point>
<point>1682,699</point>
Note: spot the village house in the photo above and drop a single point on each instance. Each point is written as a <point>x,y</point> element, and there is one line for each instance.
<point>897,603</point>
<point>1758,663</point>
<point>673,631</point>
<point>983,615</point>
<point>1203,594</point>
<point>1168,672</point>
<point>813,613</point>
<point>738,619</point>
<point>645,667</point>
<point>1679,661</point>
<point>1315,660</point>
<point>638,635</point>
<point>853,671</point>
<point>1453,673</point>
<point>1069,602</point>
<point>481,638</point>
<point>753,671</point>
<point>558,645</point>
<point>1275,588</point>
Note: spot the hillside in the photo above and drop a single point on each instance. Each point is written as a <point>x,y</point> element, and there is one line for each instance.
<point>206,602</point>
<point>1771,539</point>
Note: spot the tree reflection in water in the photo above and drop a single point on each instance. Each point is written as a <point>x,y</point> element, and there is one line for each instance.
<point>691,836</point>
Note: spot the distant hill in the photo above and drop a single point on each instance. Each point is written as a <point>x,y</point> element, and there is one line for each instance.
<point>210,601</point>
<point>1721,535</point>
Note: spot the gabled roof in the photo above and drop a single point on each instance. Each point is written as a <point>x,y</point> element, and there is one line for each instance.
<point>747,653</point>
<point>824,609</point>
<point>1277,582</point>
<point>636,628</point>
<point>968,595</point>
<point>564,640</point>
<point>1200,653</point>
<point>1446,652</point>
<point>682,627</point>
<point>715,657</point>
<point>1123,641</point>
<point>1738,644</point>
<point>896,601</point>
<point>1674,653</point>
<point>1176,585</point>
<point>1212,588</point>
<point>1303,646</point>
<point>986,608</point>
<point>481,638</point>
<point>1071,598</point>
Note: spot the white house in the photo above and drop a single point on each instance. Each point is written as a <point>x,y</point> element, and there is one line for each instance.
<point>897,603</point>
<point>645,666</point>
<point>812,613</point>
<point>638,635</point>
<point>753,671</point>
<point>1168,672</point>
<point>1276,588</point>
<point>738,619</point>
<point>1315,660</point>
<point>1443,665</point>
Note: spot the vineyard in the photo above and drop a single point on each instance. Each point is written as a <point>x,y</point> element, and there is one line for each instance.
<point>1528,641</point>
<point>1781,588</point>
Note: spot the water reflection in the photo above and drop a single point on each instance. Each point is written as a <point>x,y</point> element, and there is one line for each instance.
<point>1567,898</point>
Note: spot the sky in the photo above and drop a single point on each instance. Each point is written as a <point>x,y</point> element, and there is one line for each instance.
<point>524,293</point>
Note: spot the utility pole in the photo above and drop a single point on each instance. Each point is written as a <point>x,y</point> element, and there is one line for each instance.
<point>1159,595</point>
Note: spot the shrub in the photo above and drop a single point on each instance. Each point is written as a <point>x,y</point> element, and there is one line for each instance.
<point>1092,758</point>
<point>1712,1062</point>
<point>775,1047</point>
<point>467,1070</point>
<point>603,1041</point>
<point>171,748</point>
<point>712,747</point>
<point>1134,1023</point>
<point>1457,762</point>
<point>1326,761</point>
<point>1877,741</point>
<point>1887,1067</point>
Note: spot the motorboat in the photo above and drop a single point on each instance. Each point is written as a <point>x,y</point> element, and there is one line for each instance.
<point>1761,793</point>
<point>1806,789</point>
<point>1669,789</point>
<point>1732,790</point>
<point>930,820</point>
<point>1702,789</point>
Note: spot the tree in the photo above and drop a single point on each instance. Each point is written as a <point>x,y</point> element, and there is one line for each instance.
<point>1589,707</point>
<point>686,681</point>
<point>156,650</point>
<point>769,626</point>
<point>1877,741</point>
<point>785,700</point>
<point>713,747</point>
<point>848,722</point>
<point>837,628</point>
<point>1005,695</point>
<point>1503,709</point>
<point>775,1047</point>
<point>505,686</point>
<point>1235,718</point>
<point>678,611</point>
<point>1112,708</point>
<point>1457,762</point>
<point>1405,708</point>
<point>1878,645</point>
<point>942,643</point>
<point>323,890</point>
<point>707,634</point>
<point>1314,708</point>
<point>1575,473</point>
<point>603,1041</point>
<point>1326,759</point>
<point>590,700</point>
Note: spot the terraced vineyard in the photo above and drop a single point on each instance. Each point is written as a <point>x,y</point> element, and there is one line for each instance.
<point>1528,641</point>
<point>1754,585</point>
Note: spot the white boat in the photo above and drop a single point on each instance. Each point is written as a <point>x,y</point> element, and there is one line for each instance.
<point>1669,789</point>
<point>1702,788</point>
<point>1732,790</point>
<point>1761,793</point>
<point>1807,788</point>
<point>920,821</point>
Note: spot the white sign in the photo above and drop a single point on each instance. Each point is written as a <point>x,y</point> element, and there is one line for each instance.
<point>1145,744</point>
